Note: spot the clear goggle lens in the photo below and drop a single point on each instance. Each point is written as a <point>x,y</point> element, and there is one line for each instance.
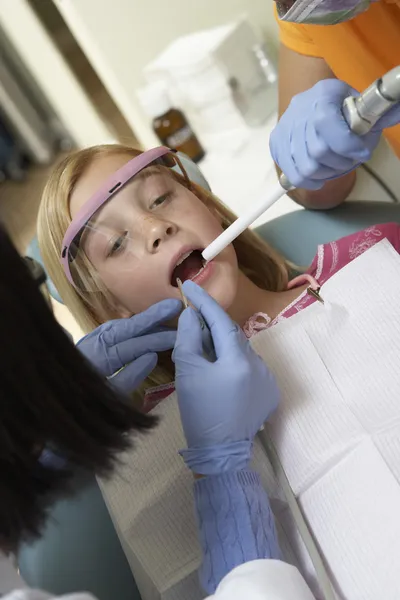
<point>114,240</point>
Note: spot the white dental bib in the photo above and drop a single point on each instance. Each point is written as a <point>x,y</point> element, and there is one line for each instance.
<point>337,434</point>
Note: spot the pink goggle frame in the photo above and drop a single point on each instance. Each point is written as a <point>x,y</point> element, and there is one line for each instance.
<point>112,186</point>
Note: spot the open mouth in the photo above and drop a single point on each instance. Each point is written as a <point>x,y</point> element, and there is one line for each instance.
<point>189,266</point>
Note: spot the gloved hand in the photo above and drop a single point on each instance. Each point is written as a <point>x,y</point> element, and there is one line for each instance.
<point>133,342</point>
<point>312,142</point>
<point>223,404</point>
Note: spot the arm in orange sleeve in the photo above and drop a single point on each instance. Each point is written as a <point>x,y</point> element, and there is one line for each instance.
<point>300,67</point>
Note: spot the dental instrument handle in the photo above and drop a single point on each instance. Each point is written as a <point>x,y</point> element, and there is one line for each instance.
<point>206,337</point>
<point>243,222</point>
<point>364,111</point>
<point>361,113</point>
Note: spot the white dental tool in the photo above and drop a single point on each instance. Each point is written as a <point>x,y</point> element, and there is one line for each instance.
<point>361,114</point>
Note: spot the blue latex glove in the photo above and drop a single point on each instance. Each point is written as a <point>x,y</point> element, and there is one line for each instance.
<point>223,404</point>
<point>133,342</point>
<point>312,142</point>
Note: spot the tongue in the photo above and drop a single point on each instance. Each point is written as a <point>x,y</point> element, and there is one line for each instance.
<point>188,268</point>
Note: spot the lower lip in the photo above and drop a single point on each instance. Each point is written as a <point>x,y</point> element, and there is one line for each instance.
<point>204,273</point>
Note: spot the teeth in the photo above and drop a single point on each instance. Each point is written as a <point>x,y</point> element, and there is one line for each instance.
<point>183,257</point>
<point>198,272</point>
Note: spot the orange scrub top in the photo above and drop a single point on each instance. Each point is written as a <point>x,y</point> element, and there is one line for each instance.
<point>357,51</point>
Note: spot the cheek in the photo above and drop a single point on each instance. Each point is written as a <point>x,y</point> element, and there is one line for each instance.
<point>193,216</point>
<point>208,223</point>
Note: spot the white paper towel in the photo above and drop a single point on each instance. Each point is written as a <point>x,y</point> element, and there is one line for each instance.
<point>337,431</point>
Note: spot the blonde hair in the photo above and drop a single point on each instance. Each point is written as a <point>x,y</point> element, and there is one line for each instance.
<point>262,264</point>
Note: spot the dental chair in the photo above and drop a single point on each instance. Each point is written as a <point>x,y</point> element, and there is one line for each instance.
<point>79,549</point>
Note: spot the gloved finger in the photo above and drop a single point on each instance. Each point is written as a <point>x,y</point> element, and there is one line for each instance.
<point>134,374</point>
<point>331,125</point>
<point>129,350</point>
<point>391,119</point>
<point>320,151</point>
<point>163,328</point>
<point>124,329</point>
<point>283,153</point>
<point>189,336</point>
<point>308,167</point>
<point>219,322</point>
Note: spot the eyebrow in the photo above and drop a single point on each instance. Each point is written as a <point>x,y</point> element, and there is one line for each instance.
<point>140,177</point>
<point>146,173</point>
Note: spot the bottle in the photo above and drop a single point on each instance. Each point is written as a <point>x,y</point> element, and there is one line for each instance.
<point>169,123</point>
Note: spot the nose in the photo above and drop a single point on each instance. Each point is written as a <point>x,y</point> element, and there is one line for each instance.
<point>157,232</point>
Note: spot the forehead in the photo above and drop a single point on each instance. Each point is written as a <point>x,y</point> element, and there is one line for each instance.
<point>101,168</point>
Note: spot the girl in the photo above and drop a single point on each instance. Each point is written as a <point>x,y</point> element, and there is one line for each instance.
<point>169,218</point>
<point>126,229</point>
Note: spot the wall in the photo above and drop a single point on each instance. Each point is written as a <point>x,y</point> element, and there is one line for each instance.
<point>119,37</point>
<point>51,73</point>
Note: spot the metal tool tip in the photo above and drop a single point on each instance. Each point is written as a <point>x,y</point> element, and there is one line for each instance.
<point>184,299</point>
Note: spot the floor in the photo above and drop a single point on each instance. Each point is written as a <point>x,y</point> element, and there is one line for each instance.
<point>19,203</point>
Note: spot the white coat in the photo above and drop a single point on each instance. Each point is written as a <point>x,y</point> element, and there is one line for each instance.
<point>256,580</point>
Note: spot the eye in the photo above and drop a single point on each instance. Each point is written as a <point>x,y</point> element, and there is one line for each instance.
<point>161,200</point>
<point>118,245</point>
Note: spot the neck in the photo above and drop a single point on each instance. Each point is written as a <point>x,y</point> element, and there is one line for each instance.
<point>251,299</point>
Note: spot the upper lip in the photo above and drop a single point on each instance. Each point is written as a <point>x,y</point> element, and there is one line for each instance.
<point>177,256</point>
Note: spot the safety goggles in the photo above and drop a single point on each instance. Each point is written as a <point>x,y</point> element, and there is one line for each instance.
<point>96,234</point>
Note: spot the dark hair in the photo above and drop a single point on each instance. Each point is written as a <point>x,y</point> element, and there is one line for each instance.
<point>50,397</point>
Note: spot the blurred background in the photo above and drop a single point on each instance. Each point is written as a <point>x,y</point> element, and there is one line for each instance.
<point>199,76</point>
